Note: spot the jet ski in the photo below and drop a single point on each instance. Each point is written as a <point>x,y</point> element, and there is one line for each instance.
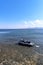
<point>25,43</point>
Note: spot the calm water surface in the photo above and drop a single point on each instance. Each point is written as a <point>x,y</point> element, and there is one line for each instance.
<point>10,36</point>
<point>34,35</point>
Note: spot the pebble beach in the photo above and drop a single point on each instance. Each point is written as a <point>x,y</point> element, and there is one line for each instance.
<point>11,54</point>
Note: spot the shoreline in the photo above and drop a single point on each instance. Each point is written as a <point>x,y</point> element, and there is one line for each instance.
<point>16,55</point>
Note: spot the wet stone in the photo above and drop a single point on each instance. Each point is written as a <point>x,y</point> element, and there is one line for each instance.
<point>6,63</point>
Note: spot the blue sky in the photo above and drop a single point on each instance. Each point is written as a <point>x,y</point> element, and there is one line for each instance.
<point>21,13</point>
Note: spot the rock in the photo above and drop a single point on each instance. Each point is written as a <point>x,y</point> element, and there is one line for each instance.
<point>6,63</point>
<point>1,63</point>
<point>15,63</point>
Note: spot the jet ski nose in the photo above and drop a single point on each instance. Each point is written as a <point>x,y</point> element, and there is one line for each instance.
<point>31,43</point>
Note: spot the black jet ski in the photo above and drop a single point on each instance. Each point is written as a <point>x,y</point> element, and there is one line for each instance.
<point>25,43</point>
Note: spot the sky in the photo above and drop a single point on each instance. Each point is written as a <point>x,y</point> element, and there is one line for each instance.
<point>16,14</point>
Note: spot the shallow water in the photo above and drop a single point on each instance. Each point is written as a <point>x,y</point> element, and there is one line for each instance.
<point>12,36</point>
<point>34,35</point>
<point>34,54</point>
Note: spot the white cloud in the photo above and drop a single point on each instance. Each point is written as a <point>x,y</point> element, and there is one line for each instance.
<point>23,24</point>
<point>32,24</point>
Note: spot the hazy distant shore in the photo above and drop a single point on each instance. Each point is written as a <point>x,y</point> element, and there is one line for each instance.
<point>11,54</point>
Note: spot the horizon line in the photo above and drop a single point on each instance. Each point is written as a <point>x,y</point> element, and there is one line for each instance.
<point>24,28</point>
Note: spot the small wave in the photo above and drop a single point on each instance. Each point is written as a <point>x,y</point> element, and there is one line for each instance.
<point>4,32</point>
<point>37,46</point>
<point>39,54</point>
